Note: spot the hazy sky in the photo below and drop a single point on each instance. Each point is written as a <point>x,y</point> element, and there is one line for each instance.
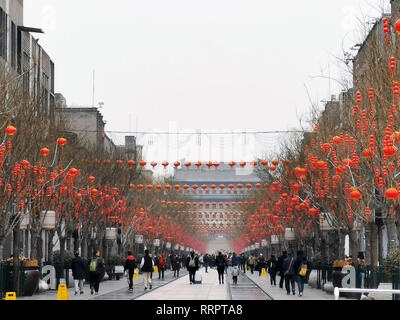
<point>210,64</point>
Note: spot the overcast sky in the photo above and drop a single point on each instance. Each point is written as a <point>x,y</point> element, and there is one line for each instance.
<point>210,64</point>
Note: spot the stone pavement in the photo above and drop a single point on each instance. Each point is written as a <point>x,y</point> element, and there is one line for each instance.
<point>112,289</point>
<point>181,289</point>
<point>277,293</point>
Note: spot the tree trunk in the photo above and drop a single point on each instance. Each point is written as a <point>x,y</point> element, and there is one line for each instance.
<point>392,234</point>
<point>62,251</point>
<point>50,246</point>
<point>373,242</point>
<point>16,248</point>
<point>353,243</point>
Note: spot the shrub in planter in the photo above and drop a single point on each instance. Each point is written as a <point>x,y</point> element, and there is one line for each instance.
<point>68,256</point>
<point>392,261</point>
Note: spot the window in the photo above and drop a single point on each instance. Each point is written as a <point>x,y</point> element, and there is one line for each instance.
<point>26,66</point>
<point>3,34</point>
<point>45,94</point>
<point>13,45</point>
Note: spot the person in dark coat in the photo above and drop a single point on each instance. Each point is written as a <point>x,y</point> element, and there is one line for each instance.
<point>147,267</point>
<point>298,263</point>
<point>289,273</point>
<point>260,263</point>
<point>242,260</point>
<point>220,263</point>
<point>235,260</point>
<point>130,265</point>
<point>78,272</point>
<point>176,265</point>
<point>272,265</point>
<point>280,270</point>
<point>96,273</point>
<point>192,265</point>
<point>206,261</point>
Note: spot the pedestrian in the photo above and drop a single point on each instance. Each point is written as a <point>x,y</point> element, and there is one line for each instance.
<point>252,262</point>
<point>289,274</point>
<point>281,258</point>
<point>260,263</point>
<point>272,266</point>
<point>242,260</point>
<point>201,261</point>
<point>147,267</point>
<point>161,266</point>
<point>130,266</point>
<point>206,261</point>
<point>220,263</point>
<point>235,273</point>
<point>78,272</point>
<point>176,265</point>
<point>96,272</point>
<point>235,260</point>
<point>192,265</point>
<point>300,269</point>
<point>226,264</point>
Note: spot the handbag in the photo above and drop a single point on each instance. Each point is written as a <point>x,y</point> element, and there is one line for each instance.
<point>303,270</point>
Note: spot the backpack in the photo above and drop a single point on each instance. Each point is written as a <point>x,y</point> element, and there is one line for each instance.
<point>303,270</point>
<point>235,271</point>
<point>93,265</point>
<point>192,262</point>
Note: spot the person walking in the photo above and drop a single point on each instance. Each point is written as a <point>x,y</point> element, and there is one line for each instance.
<point>252,262</point>
<point>96,272</point>
<point>78,272</point>
<point>176,265</point>
<point>206,260</point>
<point>235,260</point>
<point>281,258</point>
<point>147,267</point>
<point>161,266</point>
<point>242,260</point>
<point>260,263</point>
<point>235,273</point>
<point>220,263</point>
<point>130,266</point>
<point>192,265</point>
<point>272,266</point>
<point>300,269</point>
<point>289,273</point>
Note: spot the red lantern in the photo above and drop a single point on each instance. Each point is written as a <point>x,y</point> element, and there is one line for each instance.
<point>153,164</point>
<point>165,164</point>
<point>167,187</point>
<point>397,26</point>
<point>195,187</point>
<point>389,151</point>
<point>44,152</point>
<point>222,186</point>
<point>25,163</point>
<point>177,164</point>
<point>10,130</point>
<point>61,141</point>
<point>391,193</point>
<point>355,195</point>
<point>313,211</point>
<point>91,179</point>
<point>142,163</point>
<point>232,164</point>
<point>131,163</point>
<point>198,164</point>
<point>177,187</point>
<point>188,164</point>
<point>367,153</point>
<point>275,162</point>
<point>272,168</point>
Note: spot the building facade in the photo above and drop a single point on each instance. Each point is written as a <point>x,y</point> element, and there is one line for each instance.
<point>22,57</point>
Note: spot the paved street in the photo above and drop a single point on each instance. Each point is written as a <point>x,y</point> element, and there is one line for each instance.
<point>249,287</point>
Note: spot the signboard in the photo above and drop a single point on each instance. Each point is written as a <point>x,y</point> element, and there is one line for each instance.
<point>264,243</point>
<point>156,242</point>
<point>168,245</point>
<point>139,238</point>
<point>257,245</point>
<point>176,247</point>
